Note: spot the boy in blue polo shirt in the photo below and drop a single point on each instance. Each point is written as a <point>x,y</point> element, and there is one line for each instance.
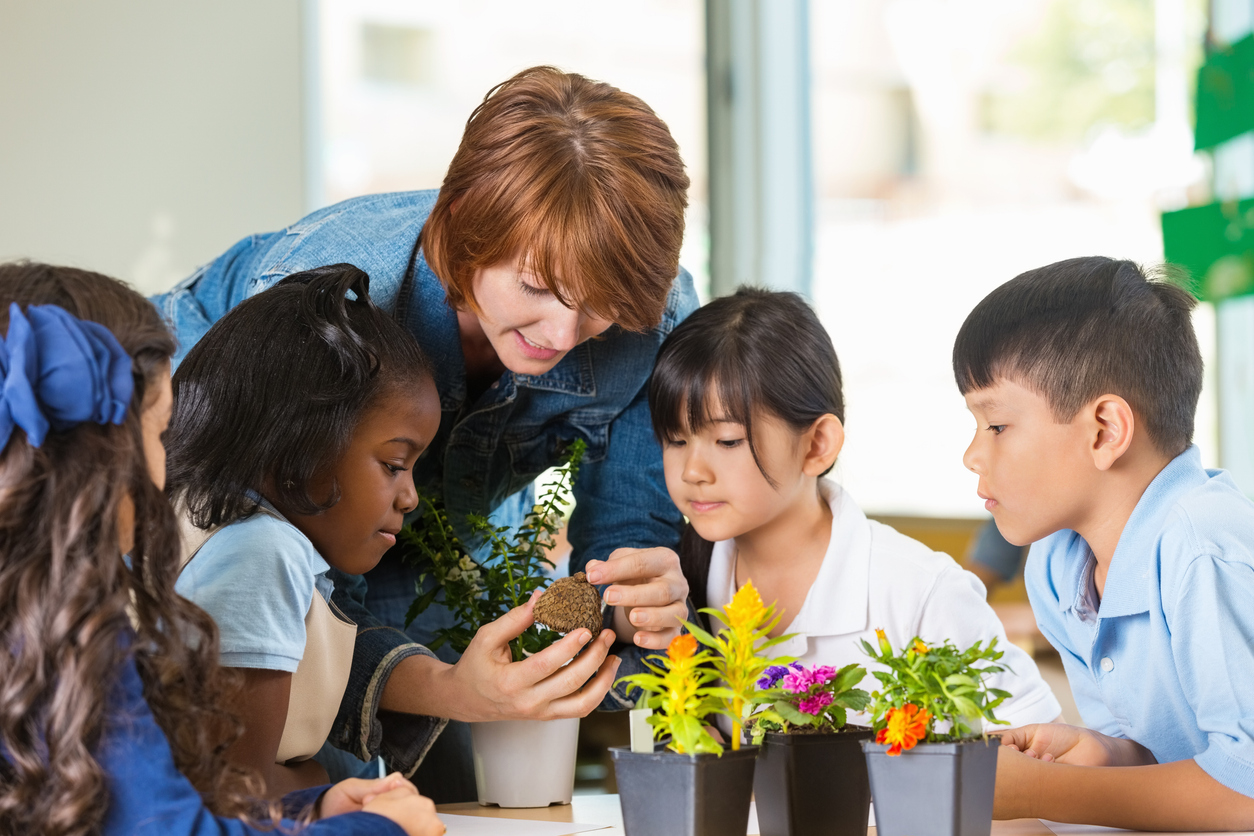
<point>1083,377</point>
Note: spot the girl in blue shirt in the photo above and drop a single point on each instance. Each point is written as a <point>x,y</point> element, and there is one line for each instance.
<point>110,715</point>
<point>286,473</point>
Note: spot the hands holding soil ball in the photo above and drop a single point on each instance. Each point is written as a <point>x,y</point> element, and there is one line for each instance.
<point>570,603</point>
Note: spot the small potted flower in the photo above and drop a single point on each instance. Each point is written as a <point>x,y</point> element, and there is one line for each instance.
<point>690,784</point>
<point>518,763</point>
<point>811,777</point>
<point>931,765</point>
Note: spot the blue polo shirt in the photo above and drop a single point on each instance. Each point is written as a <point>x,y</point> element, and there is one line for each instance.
<point>1166,657</point>
<point>257,578</point>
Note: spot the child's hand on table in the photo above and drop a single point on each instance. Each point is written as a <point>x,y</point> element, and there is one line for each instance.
<point>1061,743</point>
<point>392,797</point>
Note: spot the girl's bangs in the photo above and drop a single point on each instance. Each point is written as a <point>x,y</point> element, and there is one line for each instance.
<point>687,398</point>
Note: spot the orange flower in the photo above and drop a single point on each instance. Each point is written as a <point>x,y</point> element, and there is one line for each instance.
<point>906,727</point>
<point>919,647</point>
<point>885,647</point>
<point>682,647</point>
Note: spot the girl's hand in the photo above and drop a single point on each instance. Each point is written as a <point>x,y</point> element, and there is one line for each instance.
<point>648,591</point>
<point>413,812</point>
<point>349,795</point>
<point>487,684</point>
<point>548,685</point>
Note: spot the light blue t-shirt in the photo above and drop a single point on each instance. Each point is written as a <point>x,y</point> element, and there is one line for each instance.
<point>1166,658</point>
<point>257,578</point>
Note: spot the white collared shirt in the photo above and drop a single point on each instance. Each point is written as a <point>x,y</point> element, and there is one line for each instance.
<point>875,577</point>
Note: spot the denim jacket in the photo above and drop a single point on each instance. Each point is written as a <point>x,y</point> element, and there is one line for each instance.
<point>483,452</point>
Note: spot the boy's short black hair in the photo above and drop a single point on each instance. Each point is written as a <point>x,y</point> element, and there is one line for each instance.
<point>1084,327</point>
<point>756,349</point>
<point>271,395</point>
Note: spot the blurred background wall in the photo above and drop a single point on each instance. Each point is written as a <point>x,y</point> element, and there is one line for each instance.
<point>940,148</point>
<point>142,137</point>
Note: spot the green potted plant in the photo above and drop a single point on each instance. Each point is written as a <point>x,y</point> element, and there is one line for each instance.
<point>932,767</point>
<point>690,784</point>
<point>518,763</point>
<point>811,777</point>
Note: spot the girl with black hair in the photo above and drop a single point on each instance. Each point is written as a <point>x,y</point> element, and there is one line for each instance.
<point>746,401</point>
<point>284,464</point>
<point>111,705</point>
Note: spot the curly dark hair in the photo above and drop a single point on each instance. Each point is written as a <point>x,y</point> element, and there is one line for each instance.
<point>72,611</point>
<point>271,395</point>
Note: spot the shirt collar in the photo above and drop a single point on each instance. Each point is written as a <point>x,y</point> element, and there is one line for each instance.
<point>317,562</point>
<point>1129,585</point>
<point>837,601</point>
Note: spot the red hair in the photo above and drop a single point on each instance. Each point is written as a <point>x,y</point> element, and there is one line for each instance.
<point>578,180</point>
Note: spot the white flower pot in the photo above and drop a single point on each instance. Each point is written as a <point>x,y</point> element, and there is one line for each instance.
<point>525,763</point>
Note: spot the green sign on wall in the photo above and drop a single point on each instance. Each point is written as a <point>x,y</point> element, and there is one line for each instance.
<point>1215,244</point>
<point>1225,94</point>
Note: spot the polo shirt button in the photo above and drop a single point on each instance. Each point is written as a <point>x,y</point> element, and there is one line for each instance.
<point>1108,664</point>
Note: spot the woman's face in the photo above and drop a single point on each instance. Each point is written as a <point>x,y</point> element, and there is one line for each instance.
<point>528,327</point>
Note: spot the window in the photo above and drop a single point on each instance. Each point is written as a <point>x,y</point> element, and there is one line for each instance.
<point>957,145</point>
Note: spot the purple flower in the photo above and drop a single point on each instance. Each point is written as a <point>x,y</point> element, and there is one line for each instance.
<point>816,703</point>
<point>771,675</point>
<point>774,673</point>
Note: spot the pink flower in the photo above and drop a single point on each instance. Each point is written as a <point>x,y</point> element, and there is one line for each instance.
<point>797,682</point>
<point>800,681</point>
<point>816,703</point>
<point>823,674</point>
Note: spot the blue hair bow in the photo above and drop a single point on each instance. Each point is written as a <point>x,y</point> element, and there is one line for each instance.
<point>59,372</point>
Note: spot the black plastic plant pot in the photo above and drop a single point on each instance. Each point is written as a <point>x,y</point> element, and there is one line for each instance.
<point>666,794</point>
<point>813,784</point>
<point>934,789</point>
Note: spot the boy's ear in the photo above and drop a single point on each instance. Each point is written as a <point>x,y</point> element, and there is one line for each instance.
<point>1113,426</point>
<point>826,437</point>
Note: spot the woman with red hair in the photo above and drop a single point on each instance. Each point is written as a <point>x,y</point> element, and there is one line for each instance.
<point>540,280</point>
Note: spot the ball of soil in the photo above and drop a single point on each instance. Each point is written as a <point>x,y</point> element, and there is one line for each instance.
<point>570,603</point>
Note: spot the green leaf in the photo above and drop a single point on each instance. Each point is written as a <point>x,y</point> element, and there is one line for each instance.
<point>702,636</point>
<point>420,604</point>
<point>790,713</point>
<point>849,676</point>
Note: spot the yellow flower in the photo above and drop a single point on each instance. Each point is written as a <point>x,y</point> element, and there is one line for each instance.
<point>682,647</point>
<point>885,647</point>
<point>746,609</point>
<point>919,647</point>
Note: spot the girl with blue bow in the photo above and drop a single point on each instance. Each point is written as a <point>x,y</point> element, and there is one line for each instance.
<point>109,682</point>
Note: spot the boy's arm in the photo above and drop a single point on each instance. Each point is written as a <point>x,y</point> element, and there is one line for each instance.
<point>1176,796</point>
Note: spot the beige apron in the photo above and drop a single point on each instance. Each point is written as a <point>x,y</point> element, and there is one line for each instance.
<point>322,675</point>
